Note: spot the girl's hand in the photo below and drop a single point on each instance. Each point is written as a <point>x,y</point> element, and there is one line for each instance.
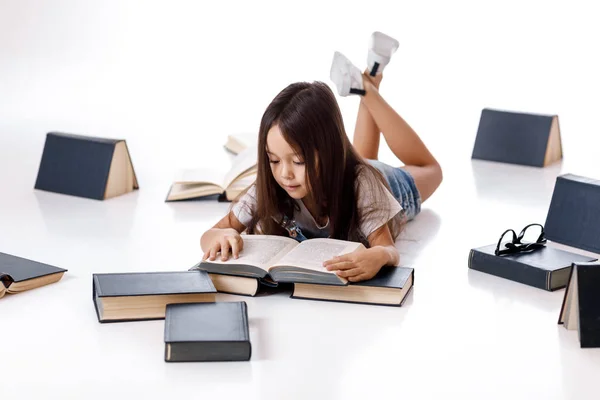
<point>357,266</point>
<point>227,240</point>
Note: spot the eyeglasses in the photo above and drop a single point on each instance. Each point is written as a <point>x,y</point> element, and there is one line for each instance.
<point>517,245</point>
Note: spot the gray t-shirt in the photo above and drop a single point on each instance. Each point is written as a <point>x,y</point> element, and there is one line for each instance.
<point>366,198</point>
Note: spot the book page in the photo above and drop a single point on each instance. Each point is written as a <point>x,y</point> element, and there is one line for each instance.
<point>261,251</point>
<point>195,176</point>
<point>311,253</point>
<point>242,164</point>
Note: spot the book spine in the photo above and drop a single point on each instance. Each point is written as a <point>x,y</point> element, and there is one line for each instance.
<point>244,327</point>
<point>509,269</point>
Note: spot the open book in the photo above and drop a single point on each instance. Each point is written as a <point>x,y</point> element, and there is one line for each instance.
<point>20,274</point>
<point>238,142</point>
<point>282,259</point>
<point>208,181</point>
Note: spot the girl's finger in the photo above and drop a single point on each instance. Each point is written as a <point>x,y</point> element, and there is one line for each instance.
<point>224,249</point>
<point>357,278</point>
<point>349,273</point>
<point>340,266</point>
<point>235,247</point>
<point>213,251</point>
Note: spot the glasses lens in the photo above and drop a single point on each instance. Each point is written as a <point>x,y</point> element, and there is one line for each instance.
<point>531,234</point>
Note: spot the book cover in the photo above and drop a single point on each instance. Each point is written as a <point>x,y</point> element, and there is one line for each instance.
<point>517,138</point>
<point>581,304</point>
<point>389,287</point>
<point>573,217</point>
<point>20,274</point>
<point>545,268</point>
<point>144,295</point>
<point>85,166</point>
<point>207,332</point>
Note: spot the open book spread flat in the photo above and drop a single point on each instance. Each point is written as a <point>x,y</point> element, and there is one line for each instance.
<point>212,180</point>
<point>283,259</point>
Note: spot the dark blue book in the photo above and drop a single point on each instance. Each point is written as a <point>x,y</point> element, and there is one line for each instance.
<point>574,213</point>
<point>518,138</point>
<point>138,296</point>
<point>546,268</point>
<point>207,332</point>
<point>581,305</point>
<point>389,287</point>
<point>84,166</point>
<point>18,274</point>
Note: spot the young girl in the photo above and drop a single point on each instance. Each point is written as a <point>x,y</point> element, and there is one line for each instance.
<point>312,182</point>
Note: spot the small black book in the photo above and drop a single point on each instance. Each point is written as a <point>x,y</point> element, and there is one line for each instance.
<point>581,305</point>
<point>518,138</point>
<point>389,287</point>
<point>207,332</point>
<point>145,295</point>
<point>85,166</point>
<point>574,213</point>
<point>545,268</point>
<point>20,274</point>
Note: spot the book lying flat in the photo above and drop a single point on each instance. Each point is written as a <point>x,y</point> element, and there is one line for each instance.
<point>145,295</point>
<point>211,180</point>
<point>207,332</point>
<point>390,287</point>
<point>546,268</point>
<point>20,274</point>
<point>235,284</point>
<point>282,259</point>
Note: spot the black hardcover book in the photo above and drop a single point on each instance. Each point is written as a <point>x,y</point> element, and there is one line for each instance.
<point>389,287</point>
<point>574,214</point>
<point>207,332</point>
<point>518,138</point>
<point>18,274</point>
<point>581,304</point>
<point>85,166</point>
<point>545,268</point>
<point>145,295</point>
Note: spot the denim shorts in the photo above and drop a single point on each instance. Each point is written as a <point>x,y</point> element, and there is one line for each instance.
<point>403,187</point>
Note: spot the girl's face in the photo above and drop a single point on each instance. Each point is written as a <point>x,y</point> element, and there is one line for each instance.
<point>287,167</point>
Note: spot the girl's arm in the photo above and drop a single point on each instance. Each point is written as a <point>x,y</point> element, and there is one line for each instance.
<point>222,237</point>
<point>381,240</point>
<point>362,265</point>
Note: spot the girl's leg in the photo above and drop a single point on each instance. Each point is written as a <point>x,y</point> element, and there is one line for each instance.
<point>366,132</point>
<point>401,139</point>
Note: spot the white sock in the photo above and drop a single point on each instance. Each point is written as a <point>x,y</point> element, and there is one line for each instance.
<point>346,76</point>
<point>381,48</point>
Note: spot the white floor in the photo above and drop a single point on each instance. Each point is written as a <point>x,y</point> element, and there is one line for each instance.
<point>174,78</point>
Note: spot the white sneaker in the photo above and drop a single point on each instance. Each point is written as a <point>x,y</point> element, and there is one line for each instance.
<point>381,48</point>
<point>346,76</point>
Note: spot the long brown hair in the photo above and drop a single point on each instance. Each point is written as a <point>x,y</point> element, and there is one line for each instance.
<point>310,120</point>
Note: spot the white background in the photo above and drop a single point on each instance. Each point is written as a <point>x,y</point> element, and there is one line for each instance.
<point>173,78</point>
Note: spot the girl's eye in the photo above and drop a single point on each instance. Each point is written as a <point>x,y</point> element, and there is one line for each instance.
<point>299,162</point>
<point>274,161</point>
